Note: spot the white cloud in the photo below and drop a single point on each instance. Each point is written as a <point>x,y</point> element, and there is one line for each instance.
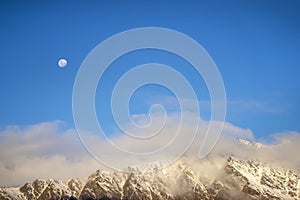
<point>42,151</point>
<point>48,150</point>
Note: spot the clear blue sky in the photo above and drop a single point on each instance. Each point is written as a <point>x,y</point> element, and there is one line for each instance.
<point>255,44</point>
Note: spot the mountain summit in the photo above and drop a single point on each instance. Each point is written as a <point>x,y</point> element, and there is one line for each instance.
<point>184,179</point>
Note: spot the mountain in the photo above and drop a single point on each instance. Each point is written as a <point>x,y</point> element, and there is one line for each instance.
<point>185,179</point>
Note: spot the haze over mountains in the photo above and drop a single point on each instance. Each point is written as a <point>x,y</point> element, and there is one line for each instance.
<point>235,169</point>
<point>217,178</point>
<point>48,146</point>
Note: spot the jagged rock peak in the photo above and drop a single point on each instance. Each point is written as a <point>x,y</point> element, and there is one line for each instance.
<point>251,144</point>
<point>235,179</point>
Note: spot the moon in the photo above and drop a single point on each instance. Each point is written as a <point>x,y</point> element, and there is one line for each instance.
<point>62,63</point>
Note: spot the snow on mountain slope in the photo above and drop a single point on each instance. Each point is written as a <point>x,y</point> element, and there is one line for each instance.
<point>42,190</point>
<point>251,144</point>
<point>235,179</point>
<point>264,181</point>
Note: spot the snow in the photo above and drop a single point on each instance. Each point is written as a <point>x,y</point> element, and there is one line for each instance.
<point>157,181</point>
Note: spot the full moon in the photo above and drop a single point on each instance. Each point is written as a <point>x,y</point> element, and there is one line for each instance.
<point>62,63</point>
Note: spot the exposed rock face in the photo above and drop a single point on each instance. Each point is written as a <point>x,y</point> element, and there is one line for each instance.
<point>264,181</point>
<point>238,180</point>
<point>40,190</point>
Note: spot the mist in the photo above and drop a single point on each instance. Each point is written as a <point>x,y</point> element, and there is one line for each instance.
<point>50,150</point>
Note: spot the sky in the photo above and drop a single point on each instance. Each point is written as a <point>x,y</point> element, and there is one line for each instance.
<point>255,45</point>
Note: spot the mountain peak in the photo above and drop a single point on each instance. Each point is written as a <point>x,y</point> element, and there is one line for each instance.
<point>252,144</point>
<point>236,179</point>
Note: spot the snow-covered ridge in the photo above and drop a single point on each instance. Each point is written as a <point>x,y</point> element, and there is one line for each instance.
<point>147,167</point>
<point>236,179</point>
<point>265,181</point>
<point>252,144</point>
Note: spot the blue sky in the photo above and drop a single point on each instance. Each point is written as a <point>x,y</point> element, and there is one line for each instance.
<point>255,45</point>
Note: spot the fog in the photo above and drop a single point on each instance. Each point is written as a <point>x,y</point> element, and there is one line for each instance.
<point>49,150</point>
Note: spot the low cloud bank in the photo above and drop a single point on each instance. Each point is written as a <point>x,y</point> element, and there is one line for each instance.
<point>48,150</point>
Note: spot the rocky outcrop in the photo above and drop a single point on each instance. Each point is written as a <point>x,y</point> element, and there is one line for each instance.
<point>237,179</point>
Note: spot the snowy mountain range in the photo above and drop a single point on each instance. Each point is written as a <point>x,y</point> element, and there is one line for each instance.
<point>184,179</point>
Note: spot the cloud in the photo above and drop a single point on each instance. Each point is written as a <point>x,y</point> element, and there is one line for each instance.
<point>44,151</point>
<point>49,150</point>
